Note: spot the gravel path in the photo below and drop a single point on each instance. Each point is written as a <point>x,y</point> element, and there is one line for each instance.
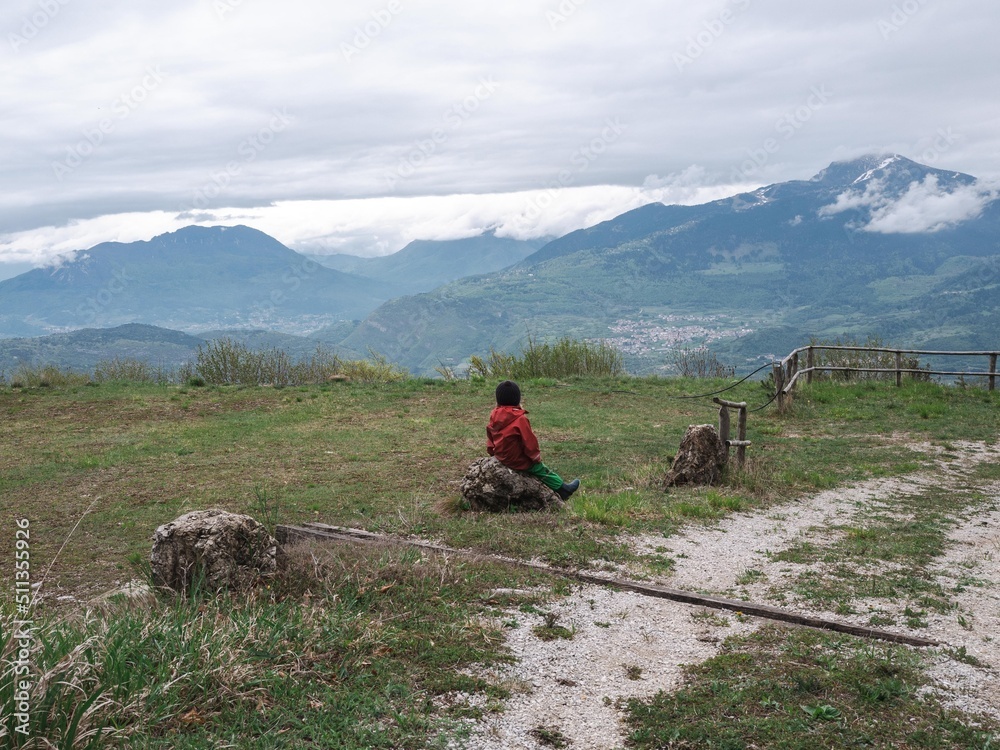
<point>624,646</point>
<point>568,689</point>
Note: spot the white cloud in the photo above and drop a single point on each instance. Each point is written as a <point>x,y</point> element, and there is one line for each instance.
<point>853,199</point>
<point>926,206</point>
<point>373,226</point>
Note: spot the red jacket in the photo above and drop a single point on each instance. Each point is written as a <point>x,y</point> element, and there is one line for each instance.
<point>510,439</point>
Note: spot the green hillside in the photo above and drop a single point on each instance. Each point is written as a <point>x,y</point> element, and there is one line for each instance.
<point>424,265</point>
<point>82,350</point>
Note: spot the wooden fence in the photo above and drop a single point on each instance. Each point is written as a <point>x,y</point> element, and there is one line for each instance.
<point>740,443</point>
<point>788,372</point>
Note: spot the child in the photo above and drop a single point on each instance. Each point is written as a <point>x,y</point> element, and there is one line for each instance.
<point>510,439</point>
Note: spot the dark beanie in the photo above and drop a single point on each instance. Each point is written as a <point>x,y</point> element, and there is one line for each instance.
<point>508,394</point>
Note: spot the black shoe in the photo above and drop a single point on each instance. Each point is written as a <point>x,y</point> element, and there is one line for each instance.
<point>568,488</point>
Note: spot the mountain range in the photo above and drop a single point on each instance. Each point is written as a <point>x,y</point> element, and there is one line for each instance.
<point>195,279</point>
<point>424,265</point>
<point>205,278</point>
<point>878,245</point>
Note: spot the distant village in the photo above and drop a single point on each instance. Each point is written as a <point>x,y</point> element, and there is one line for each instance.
<point>646,336</point>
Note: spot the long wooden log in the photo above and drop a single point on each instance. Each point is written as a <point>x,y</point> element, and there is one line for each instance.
<point>321,531</point>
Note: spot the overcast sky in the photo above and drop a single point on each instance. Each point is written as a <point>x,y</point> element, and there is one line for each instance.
<point>357,127</point>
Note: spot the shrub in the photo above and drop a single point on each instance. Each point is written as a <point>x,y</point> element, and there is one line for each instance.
<point>698,362</point>
<point>128,370</point>
<point>228,362</point>
<point>565,358</point>
<point>376,369</point>
<point>46,376</point>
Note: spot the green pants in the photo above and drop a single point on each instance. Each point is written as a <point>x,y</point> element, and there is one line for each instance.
<point>548,477</point>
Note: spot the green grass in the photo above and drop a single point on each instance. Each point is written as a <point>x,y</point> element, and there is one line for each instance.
<point>346,648</point>
<point>122,459</point>
<point>906,539</point>
<point>804,689</point>
<point>381,456</point>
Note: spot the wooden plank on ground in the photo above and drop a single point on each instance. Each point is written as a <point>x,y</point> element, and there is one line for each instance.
<point>322,531</point>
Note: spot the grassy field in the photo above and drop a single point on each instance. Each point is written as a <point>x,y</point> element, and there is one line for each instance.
<point>386,632</point>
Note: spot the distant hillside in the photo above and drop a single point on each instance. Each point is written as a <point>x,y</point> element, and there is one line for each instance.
<point>424,265</point>
<point>82,350</point>
<point>194,279</point>
<point>877,245</point>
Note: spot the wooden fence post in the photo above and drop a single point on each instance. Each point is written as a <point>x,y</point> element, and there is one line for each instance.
<point>724,428</point>
<point>741,435</point>
<point>899,369</point>
<point>779,383</point>
<point>810,363</point>
<point>993,371</point>
<point>741,442</point>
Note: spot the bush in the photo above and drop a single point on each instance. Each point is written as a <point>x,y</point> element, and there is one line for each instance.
<point>128,370</point>
<point>565,358</point>
<point>228,362</point>
<point>47,376</point>
<point>698,362</point>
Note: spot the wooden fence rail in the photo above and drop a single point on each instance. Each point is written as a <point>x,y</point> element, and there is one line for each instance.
<point>787,372</point>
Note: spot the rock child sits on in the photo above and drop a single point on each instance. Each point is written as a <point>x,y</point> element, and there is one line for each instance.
<point>510,439</point>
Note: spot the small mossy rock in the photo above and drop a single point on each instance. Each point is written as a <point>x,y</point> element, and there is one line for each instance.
<point>491,486</point>
<point>218,549</point>
<point>701,457</point>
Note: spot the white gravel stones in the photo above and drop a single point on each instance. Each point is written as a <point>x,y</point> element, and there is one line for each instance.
<point>573,684</point>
